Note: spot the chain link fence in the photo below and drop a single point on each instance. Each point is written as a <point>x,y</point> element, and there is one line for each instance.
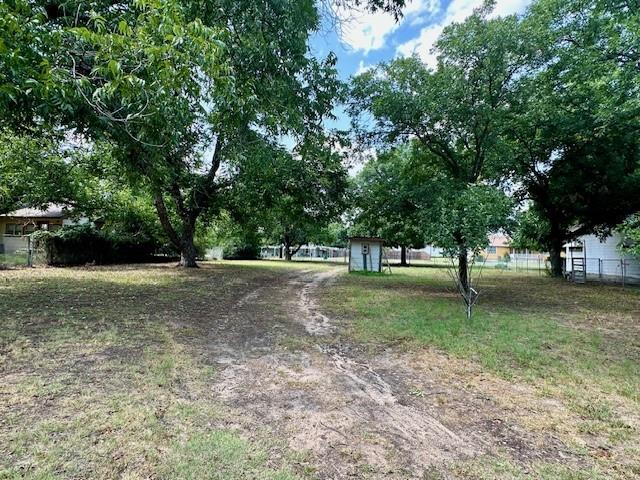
<point>308,253</point>
<point>622,271</point>
<point>21,253</point>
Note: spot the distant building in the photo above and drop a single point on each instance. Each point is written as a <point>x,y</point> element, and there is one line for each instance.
<point>15,226</point>
<point>592,258</point>
<point>499,246</point>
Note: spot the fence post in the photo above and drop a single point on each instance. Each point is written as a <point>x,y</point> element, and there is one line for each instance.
<point>600,261</point>
<point>622,270</point>
<point>539,266</point>
<point>29,252</point>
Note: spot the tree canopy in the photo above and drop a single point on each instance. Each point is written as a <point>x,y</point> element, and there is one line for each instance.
<point>455,114</point>
<point>574,124</point>
<point>389,199</point>
<point>292,196</point>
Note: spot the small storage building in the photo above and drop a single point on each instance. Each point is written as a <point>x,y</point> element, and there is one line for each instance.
<point>365,254</point>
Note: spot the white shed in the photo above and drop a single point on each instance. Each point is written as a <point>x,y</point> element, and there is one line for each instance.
<point>365,254</point>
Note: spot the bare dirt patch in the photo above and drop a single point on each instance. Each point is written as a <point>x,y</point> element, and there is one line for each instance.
<point>361,413</point>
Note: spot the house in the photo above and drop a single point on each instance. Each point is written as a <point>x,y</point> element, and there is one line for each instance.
<point>498,247</point>
<point>16,225</point>
<point>592,258</point>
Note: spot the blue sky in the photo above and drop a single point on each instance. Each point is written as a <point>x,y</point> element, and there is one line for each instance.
<point>366,38</point>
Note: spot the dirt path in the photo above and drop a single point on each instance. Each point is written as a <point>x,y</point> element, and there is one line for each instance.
<point>357,414</point>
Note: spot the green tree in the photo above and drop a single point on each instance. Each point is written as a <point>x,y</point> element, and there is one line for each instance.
<point>456,113</point>
<point>390,201</point>
<point>34,173</point>
<point>630,230</point>
<point>293,196</point>
<point>181,88</point>
<point>335,234</point>
<point>574,123</point>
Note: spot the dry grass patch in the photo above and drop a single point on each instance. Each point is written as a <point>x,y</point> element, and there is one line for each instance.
<point>99,382</point>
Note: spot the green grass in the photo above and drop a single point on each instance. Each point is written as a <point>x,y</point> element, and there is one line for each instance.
<point>507,343</point>
<point>13,260</point>
<point>574,343</point>
<point>233,458</point>
<point>507,334</point>
<point>105,373</point>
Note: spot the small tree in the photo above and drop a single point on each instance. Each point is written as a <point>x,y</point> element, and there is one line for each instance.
<point>465,217</point>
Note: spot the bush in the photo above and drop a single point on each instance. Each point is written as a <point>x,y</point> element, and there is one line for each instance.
<point>80,244</point>
<point>246,251</point>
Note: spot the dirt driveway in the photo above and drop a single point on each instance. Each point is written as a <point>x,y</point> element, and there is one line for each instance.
<point>361,411</point>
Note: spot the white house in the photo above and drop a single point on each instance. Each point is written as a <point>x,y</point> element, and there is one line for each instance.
<point>601,259</point>
<point>365,254</point>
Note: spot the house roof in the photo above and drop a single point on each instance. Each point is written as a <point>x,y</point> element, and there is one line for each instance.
<point>367,239</point>
<point>499,240</point>
<point>52,211</point>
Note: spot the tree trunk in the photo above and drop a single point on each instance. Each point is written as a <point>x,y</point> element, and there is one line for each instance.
<point>555,258</point>
<point>287,249</point>
<point>403,255</point>
<point>463,271</point>
<point>183,242</point>
<point>188,253</point>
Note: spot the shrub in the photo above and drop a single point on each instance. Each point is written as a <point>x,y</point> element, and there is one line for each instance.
<point>79,244</point>
<point>244,251</point>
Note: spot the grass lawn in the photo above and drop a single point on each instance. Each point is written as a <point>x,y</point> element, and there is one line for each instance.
<point>578,344</point>
<point>12,260</point>
<point>111,372</point>
<point>97,382</point>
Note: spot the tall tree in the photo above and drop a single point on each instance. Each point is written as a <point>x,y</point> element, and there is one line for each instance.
<point>390,201</point>
<point>455,112</point>
<point>574,125</point>
<point>293,196</point>
<point>181,88</point>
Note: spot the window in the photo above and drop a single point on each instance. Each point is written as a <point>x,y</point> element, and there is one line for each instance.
<point>13,229</point>
<point>492,249</point>
<point>29,228</point>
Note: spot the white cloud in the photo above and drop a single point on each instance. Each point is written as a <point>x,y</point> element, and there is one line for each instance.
<point>457,11</point>
<point>363,68</point>
<point>367,31</point>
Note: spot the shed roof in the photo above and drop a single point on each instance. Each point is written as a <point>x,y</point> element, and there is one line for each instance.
<point>52,211</point>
